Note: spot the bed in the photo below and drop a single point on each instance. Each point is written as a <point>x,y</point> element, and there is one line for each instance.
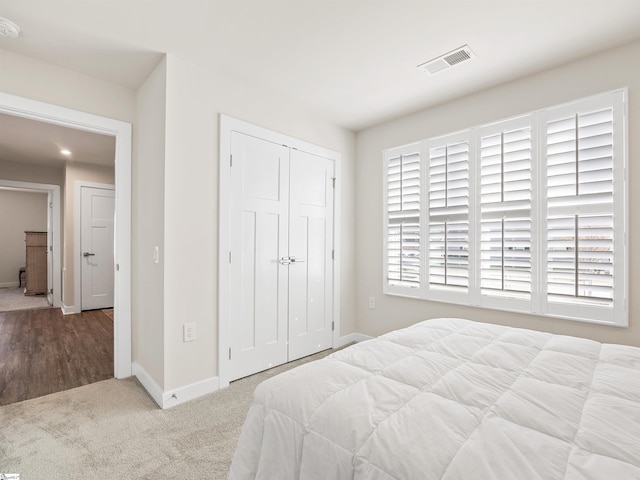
<point>450,399</point>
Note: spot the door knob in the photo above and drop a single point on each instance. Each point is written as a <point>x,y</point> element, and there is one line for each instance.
<point>87,254</point>
<point>290,260</point>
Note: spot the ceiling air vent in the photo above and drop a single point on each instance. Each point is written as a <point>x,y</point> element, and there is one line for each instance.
<point>447,60</point>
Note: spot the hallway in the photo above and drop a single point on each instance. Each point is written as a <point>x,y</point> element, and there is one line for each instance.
<point>43,351</point>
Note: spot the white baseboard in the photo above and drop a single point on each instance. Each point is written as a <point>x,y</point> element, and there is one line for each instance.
<point>149,384</point>
<point>69,309</point>
<point>351,338</point>
<point>180,395</point>
<point>176,396</point>
<point>9,284</point>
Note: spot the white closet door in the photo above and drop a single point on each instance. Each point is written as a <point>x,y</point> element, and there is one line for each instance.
<point>259,239</point>
<point>310,247</point>
<point>96,242</point>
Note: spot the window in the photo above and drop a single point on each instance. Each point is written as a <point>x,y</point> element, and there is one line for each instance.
<point>527,214</point>
<point>448,226</point>
<point>403,219</point>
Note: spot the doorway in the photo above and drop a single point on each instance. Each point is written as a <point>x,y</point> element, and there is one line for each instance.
<point>53,229</point>
<point>277,285</point>
<point>121,131</point>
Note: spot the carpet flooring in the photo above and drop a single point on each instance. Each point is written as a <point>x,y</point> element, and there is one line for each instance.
<point>112,429</point>
<point>12,299</point>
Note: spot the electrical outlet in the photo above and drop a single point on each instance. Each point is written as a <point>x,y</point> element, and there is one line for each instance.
<point>372,303</point>
<point>189,332</point>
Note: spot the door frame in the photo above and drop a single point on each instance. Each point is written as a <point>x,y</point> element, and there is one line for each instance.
<point>77,267</point>
<point>227,125</point>
<point>121,131</point>
<point>53,236</point>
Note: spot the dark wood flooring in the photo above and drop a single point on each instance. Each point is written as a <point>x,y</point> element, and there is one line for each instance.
<point>43,351</point>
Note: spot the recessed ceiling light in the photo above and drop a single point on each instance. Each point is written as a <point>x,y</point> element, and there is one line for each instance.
<point>64,151</point>
<point>8,28</point>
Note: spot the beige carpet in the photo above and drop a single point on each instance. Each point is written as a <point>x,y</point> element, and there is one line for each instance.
<point>14,299</point>
<point>112,429</point>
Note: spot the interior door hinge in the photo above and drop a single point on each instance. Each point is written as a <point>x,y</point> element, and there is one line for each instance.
<point>333,326</point>
<point>333,254</point>
<point>231,160</point>
<point>51,248</point>
<point>50,204</point>
<point>229,353</point>
<point>51,291</point>
<point>334,182</point>
<point>229,256</point>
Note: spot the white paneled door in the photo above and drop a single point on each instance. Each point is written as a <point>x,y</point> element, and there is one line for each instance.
<point>310,246</point>
<point>96,247</point>
<point>281,240</point>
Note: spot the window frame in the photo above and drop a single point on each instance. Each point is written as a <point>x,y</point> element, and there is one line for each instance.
<point>539,303</point>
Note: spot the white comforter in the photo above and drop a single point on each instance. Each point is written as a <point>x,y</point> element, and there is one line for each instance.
<point>450,399</point>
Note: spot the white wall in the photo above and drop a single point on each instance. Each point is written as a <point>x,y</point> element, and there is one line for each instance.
<point>28,173</point>
<point>26,77</point>
<point>148,225</point>
<point>19,212</point>
<point>195,98</point>
<point>606,71</point>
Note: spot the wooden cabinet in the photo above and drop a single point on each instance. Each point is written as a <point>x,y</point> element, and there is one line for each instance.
<point>36,263</point>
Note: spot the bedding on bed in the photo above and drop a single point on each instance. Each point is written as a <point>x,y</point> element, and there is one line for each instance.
<point>450,399</point>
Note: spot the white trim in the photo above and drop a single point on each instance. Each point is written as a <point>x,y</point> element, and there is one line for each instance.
<point>351,338</point>
<point>77,236</point>
<point>56,233</point>
<point>45,112</point>
<point>9,284</point>
<point>227,125</point>
<point>69,309</point>
<point>149,384</point>
<point>184,394</point>
<point>172,398</point>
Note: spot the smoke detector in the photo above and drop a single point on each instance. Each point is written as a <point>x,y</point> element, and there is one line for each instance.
<point>447,60</point>
<point>8,28</point>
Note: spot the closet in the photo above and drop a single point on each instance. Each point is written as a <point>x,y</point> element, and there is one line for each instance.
<point>280,283</point>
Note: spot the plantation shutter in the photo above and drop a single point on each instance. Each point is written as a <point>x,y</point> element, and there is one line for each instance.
<point>403,220</point>
<point>505,209</point>
<point>448,227</point>
<point>580,210</point>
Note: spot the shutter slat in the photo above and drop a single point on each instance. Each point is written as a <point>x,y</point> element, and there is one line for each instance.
<point>505,208</point>
<point>403,214</point>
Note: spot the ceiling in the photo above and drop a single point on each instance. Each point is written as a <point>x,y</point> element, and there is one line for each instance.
<point>351,61</point>
<point>37,143</point>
